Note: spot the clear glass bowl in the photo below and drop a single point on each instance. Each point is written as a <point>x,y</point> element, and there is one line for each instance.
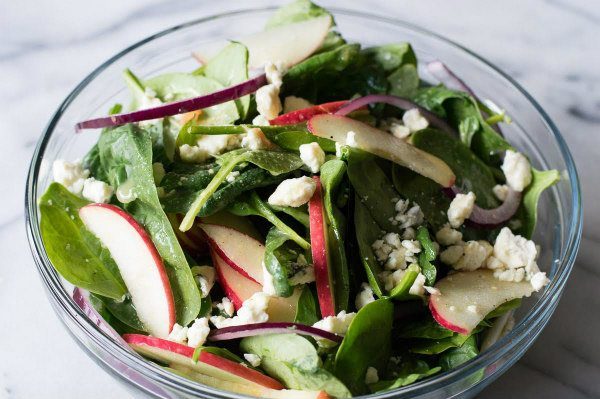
<point>532,131</point>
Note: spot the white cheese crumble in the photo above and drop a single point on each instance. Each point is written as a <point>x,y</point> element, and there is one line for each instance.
<point>232,176</point>
<point>500,191</point>
<point>253,359</point>
<point>96,191</point>
<point>260,120</point>
<point>460,209</point>
<point>517,170</point>
<point>192,154</point>
<point>397,128</point>
<point>208,146</point>
<point>268,103</point>
<point>178,334</point>
<point>253,310</point>
<point>336,324</point>
<point>304,275</point>
<point>418,286</point>
<point>475,254</point>
<point>293,192</point>
<point>351,139</point>
<point>274,72</point>
<point>198,332</point>
<point>293,103</point>
<point>268,281</point>
<point>70,174</point>
<point>414,121</point>
<point>365,296</point>
<point>205,279</point>
<point>255,139</point>
<point>226,306</point>
<point>371,377</point>
<point>448,236</point>
<point>452,254</point>
<point>407,217</point>
<point>312,155</point>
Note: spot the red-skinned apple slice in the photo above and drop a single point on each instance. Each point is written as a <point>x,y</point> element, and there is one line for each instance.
<point>253,390</point>
<point>240,251</point>
<point>289,44</point>
<point>208,363</point>
<point>139,263</point>
<point>318,245</point>
<point>302,115</point>
<point>239,288</point>
<point>467,297</point>
<point>382,144</point>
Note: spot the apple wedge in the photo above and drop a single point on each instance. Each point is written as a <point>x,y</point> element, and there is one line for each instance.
<point>239,223</point>
<point>139,263</point>
<point>467,297</point>
<point>382,144</point>
<point>302,115</point>
<point>239,288</point>
<point>258,391</point>
<point>242,252</point>
<point>318,245</point>
<point>288,44</point>
<point>173,353</point>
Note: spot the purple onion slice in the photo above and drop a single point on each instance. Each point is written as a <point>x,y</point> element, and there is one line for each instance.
<point>177,107</point>
<point>250,330</point>
<point>490,218</point>
<point>399,102</point>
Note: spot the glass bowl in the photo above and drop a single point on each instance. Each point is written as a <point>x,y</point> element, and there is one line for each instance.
<point>558,231</point>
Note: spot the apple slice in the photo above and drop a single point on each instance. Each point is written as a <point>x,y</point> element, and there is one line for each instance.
<point>173,353</point>
<point>242,252</point>
<point>382,144</point>
<point>239,288</point>
<point>302,115</point>
<point>318,245</point>
<point>239,223</point>
<point>139,263</point>
<point>467,297</point>
<point>254,390</point>
<point>288,44</point>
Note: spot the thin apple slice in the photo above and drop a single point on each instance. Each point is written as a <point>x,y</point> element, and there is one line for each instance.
<point>139,263</point>
<point>382,144</point>
<point>239,223</point>
<point>242,252</point>
<point>173,353</point>
<point>302,115</point>
<point>239,288</point>
<point>288,44</point>
<point>318,245</point>
<point>467,297</point>
<point>254,390</point>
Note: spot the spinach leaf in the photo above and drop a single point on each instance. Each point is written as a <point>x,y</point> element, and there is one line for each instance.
<point>456,356</point>
<point>123,310</point>
<point>366,344</point>
<point>74,251</point>
<point>126,153</point>
<point>427,255</point>
<point>332,174</point>
<point>229,67</point>
<point>373,188</point>
<point>401,290</point>
<point>294,361</point>
<point>252,205</point>
<point>425,329</point>
<point>280,257</point>
<point>275,162</point>
<point>188,176</point>
<point>437,346</point>
<point>404,81</point>
<point>307,310</point>
<point>292,140</point>
<point>108,317</point>
<point>505,307</point>
<point>392,56</point>
<point>527,214</point>
<point>367,231</point>
<point>300,214</point>
<point>408,372</point>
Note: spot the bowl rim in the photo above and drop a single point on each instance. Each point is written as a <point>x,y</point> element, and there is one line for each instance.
<point>536,318</point>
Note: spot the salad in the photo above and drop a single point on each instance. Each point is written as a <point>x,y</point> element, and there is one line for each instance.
<point>306,221</point>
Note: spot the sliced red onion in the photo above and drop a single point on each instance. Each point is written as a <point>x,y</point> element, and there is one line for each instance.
<point>250,330</point>
<point>490,218</point>
<point>82,300</point>
<point>178,107</point>
<point>400,102</point>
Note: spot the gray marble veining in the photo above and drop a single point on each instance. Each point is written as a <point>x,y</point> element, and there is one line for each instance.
<point>46,47</point>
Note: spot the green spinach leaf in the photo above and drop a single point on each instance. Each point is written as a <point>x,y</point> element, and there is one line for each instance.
<point>456,356</point>
<point>408,372</point>
<point>541,180</point>
<point>401,291</point>
<point>307,311</point>
<point>280,257</point>
<point>367,231</point>
<point>427,255</point>
<point>123,310</point>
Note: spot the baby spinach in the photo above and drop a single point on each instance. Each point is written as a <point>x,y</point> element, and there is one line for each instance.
<point>332,174</point>
<point>400,65</point>
<point>292,140</point>
<point>437,346</point>
<point>426,328</point>
<point>275,162</point>
<point>454,357</point>
<point>366,344</point>
<point>408,372</point>
<point>367,231</point>
<point>527,214</point>
<point>188,176</point>
<point>300,214</point>
<point>307,310</point>
<point>126,155</point>
<point>401,291</point>
<point>123,310</point>
<point>280,257</point>
<point>74,251</point>
<point>251,204</point>
<point>427,255</point>
<point>505,307</point>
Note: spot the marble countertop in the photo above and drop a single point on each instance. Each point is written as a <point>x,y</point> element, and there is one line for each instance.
<point>47,47</point>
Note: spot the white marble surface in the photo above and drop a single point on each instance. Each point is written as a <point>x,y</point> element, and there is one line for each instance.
<point>47,46</point>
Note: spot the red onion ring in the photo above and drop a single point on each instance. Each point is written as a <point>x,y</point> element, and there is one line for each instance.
<point>249,330</point>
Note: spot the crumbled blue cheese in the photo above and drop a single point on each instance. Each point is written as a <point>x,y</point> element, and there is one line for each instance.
<point>500,191</point>
<point>268,285</point>
<point>293,103</point>
<point>208,146</point>
<point>448,236</point>
<point>312,155</point>
<point>336,324</point>
<point>255,139</point>
<point>205,279</point>
<point>198,332</point>
<point>364,297</point>
<point>351,139</point>
<point>371,376</point>
<point>178,334</point>
<point>304,275</point>
<point>260,120</point>
<point>70,174</point>
<point>268,103</point>
<point>460,209</point>
<point>517,170</point>
<point>407,217</point>
<point>475,255</point>
<point>414,121</point>
<point>418,286</point>
<point>96,191</point>
<point>253,310</point>
<point>226,306</point>
<point>253,359</point>
<point>293,192</point>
